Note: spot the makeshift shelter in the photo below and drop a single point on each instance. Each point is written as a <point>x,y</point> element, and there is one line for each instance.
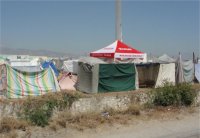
<point>197,71</point>
<point>147,74</point>
<point>47,64</point>
<point>166,73</point>
<point>184,70</point>
<point>70,66</point>
<point>155,74</point>
<point>179,71</point>
<point>188,70</point>
<point>17,84</point>
<point>68,81</point>
<point>94,77</point>
<point>120,52</point>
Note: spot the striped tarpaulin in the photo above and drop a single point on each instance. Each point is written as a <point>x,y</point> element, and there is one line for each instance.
<point>20,84</point>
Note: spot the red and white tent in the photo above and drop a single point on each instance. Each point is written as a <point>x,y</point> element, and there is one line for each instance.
<point>119,50</point>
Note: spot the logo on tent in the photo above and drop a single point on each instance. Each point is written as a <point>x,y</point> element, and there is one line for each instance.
<point>125,49</point>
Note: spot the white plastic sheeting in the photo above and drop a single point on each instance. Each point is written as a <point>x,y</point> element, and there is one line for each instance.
<point>71,66</point>
<point>197,71</point>
<point>92,60</point>
<point>24,62</point>
<point>162,59</point>
<point>165,59</point>
<point>28,68</point>
<point>188,70</point>
<point>166,73</point>
<point>184,71</point>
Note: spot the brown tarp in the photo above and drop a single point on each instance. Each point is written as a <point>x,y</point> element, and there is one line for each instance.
<point>147,74</point>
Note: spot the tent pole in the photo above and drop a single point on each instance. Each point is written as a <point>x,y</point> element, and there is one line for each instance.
<point>118,22</point>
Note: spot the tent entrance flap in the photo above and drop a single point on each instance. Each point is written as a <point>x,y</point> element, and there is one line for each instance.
<point>116,77</point>
<point>148,74</point>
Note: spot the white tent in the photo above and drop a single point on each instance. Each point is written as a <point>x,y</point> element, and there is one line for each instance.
<point>166,73</point>
<point>155,74</point>
<point>163,59</point>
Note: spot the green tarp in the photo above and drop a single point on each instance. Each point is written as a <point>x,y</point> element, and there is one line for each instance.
<point>116,77</point>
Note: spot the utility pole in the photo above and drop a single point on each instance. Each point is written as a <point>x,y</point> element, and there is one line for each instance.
<point>118,24</point>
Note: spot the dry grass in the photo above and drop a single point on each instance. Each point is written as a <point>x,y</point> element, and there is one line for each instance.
<point>167,113</point>
<point>80,121</point>
<point>53,126</point>
<point>12,134</point>
<point>191,110</point>
<point>92,120</point>
<point>196,86</point>
<point>133,109</point>
<point>8,124</point>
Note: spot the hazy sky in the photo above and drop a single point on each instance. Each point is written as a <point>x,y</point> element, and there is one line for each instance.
<point>82,26</point>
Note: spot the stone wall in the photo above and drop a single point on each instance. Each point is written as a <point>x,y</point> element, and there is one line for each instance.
<point>9,108</point>
<point>117,102</point>
<point>95,103</point>
<point>99,104</point>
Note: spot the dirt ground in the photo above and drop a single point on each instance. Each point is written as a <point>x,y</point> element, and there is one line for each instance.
<point>155,123</point>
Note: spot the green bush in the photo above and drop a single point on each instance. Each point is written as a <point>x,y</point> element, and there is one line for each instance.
<point>39,117</point>
<point>181,94</point>
<point>187,94</point>
<point>38,110</point>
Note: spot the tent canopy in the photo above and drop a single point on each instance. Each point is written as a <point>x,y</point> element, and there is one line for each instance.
<point>118,50</point>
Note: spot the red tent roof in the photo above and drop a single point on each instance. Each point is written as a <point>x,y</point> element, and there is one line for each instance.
<point>117,50</point>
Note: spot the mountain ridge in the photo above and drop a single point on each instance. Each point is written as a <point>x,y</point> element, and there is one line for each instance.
<point>39,52</point>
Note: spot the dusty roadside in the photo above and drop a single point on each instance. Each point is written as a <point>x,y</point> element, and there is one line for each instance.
<point>163,123</point>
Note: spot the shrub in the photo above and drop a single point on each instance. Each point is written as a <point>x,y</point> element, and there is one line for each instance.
<point>187,94</point>
<point>39,117</point>
<point>181,94</point>
<point>38,110</point>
